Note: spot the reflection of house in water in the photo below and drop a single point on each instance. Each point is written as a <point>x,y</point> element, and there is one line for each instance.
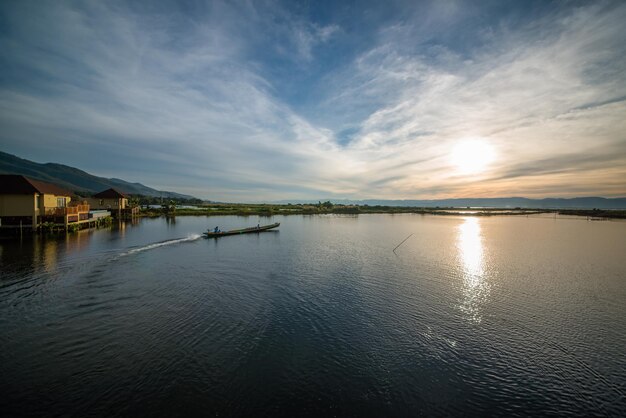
<point>28,203</point>
<point>114,201</point>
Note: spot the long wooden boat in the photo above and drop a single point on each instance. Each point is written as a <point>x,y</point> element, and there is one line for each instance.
<point>211,234</point>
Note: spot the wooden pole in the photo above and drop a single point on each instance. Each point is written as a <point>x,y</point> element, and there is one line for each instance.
<point>394,250</point>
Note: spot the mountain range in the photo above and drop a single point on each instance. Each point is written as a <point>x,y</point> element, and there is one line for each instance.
<point>83,183</point>
<point>76,180</point>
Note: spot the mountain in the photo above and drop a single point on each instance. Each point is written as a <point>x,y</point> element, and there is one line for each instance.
<point>76,180</point>
<point>501,202</point>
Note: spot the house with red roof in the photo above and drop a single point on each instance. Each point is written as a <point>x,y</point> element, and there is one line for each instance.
<point>110,199</point>
<point>114,201</point>
<point>29,203</point>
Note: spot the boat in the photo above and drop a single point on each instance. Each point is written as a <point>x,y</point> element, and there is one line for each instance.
<point>211,234</point>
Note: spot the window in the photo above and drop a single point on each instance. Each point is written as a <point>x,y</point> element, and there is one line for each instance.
<point>60,202</point>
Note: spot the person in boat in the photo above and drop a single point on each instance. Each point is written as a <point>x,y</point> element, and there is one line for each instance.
<point>216,230</point>
<point>258,226</point>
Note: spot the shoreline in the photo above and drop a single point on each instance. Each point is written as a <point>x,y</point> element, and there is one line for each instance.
<point>326,208</point>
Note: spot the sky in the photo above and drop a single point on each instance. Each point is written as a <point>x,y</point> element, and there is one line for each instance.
<point>247,101</point>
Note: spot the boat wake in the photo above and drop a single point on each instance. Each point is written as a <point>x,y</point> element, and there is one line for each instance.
<point>136,250</point>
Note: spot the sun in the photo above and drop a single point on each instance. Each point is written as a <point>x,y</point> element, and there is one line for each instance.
<point>472,155</point>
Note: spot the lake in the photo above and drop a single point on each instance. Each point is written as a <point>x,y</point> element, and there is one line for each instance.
<point>470,316</point>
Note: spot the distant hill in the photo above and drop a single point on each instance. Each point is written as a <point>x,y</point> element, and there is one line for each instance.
<point>76,180</point>
<point>503,202</point>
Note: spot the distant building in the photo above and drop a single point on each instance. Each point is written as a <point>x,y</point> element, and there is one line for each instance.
<point>110,199</point>
<point>25,202</point>
<point>114,201</point>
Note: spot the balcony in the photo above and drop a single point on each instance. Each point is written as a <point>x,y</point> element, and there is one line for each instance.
<point>69,210</point>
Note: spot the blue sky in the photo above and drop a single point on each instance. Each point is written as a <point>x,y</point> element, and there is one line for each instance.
<point>265,100</point>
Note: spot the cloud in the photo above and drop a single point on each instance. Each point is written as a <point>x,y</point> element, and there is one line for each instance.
<point>257,100</point>
<point>171,111</point>
<point>306,37</point>
<point>529,93</point>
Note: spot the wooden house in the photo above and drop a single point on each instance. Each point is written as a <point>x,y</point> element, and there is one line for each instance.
<point>28,203</point>
<point>109,199</point>
<point>114,201</point>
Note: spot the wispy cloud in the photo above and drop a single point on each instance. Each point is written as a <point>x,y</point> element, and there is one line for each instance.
<point>531,93</point>
<point>232,101</point>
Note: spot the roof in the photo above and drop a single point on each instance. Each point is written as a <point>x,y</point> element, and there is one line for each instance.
<point>18,184</point>
<point>110,193</point>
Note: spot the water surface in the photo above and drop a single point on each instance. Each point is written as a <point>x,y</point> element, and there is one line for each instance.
<point>498,316</point>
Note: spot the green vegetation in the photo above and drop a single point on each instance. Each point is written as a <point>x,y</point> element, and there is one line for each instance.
<point>595,213</point>
<point>169,208</point>
<point>320,208</point>
<point>102,222</point>
<point>48,227</point>
<point>143,200</point>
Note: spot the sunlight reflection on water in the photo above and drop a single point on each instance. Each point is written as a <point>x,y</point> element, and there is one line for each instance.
<point>475,287</point>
